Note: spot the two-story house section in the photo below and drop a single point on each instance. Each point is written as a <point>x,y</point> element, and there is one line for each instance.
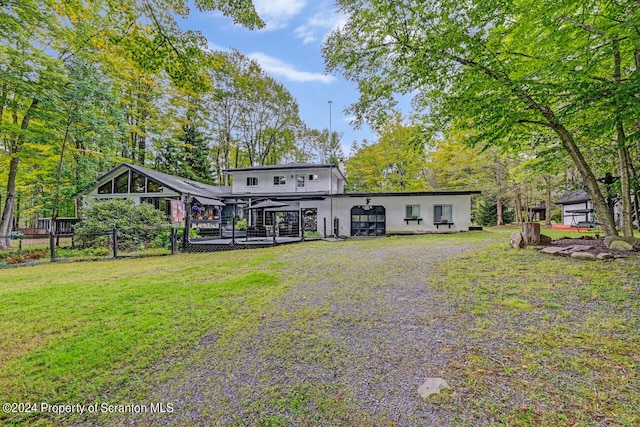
<point>292,179</point>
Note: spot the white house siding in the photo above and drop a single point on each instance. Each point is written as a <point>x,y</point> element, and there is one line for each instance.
<point>395,210</point>
<point>266,185</point>
<point>569,218</point>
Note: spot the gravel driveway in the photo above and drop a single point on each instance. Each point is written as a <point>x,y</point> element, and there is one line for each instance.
<point>349,343</point>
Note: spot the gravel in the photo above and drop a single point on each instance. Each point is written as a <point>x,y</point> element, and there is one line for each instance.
<point>353,338</point>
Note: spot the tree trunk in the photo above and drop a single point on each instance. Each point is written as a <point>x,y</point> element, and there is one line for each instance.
<point>7,214</point>
<point>624,158</point>
<point>625,191</point>
<point>6,222</point>
<point>547,202</point>
<point>500,218</point>
<point>531,233</point>
<point>589,179</point>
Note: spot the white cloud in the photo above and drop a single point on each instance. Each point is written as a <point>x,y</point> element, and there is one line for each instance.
<point>279,68</point>
<point>277,13</point>
<point>319,25</point>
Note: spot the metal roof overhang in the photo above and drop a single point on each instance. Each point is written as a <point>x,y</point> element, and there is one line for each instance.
<point>208,202</point>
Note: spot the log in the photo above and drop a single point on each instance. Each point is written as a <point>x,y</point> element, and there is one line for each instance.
<point>531,233</point>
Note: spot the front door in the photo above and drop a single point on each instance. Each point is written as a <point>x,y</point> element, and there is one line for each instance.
<point>300,182</point>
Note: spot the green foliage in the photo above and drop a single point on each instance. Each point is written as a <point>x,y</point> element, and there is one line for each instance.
<point>486,213</point>
<point>395,163</point>
<point>508,72</point>
<point>241,225</point>
<point>137,224</point>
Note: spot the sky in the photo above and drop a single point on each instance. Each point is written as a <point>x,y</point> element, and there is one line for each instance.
<point>288,49</point>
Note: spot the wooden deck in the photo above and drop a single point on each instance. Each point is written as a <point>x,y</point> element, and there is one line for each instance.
<point>217,244</point>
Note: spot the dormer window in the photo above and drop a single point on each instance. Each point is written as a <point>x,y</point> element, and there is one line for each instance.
<point>252,181</point>
<point>279,180</point>
<point>313,177</point>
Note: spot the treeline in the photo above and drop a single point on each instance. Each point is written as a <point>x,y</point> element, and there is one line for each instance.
<point>87,85</point>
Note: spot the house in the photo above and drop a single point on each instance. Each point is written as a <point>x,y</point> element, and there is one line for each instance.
<point>165,192</point>
<point>577,209</point>
<point>304,198</point>
<point>316,202</point>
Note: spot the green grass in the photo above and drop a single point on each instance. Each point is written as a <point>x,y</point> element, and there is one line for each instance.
<point>69,333</point>
<point>561,334</point>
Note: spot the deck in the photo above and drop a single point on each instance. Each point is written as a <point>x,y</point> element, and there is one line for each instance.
<point>227,244</point>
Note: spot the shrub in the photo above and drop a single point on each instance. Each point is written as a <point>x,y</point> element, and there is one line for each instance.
<point>25,256</point>
<point>137,225</point>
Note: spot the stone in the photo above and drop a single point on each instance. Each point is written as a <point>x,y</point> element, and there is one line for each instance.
<point>553,250</point>
<point>630,240</point>
<point>517,241</point>
<point>568,250</point>
<point>432,386</point>
<point>605,255</point>
<point>586,256</point>
<point>545,240</point>
<point>620,245</point>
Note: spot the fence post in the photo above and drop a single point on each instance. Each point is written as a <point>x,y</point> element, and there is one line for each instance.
<point>115,241</point>
<point>52,245</point>
<point>173,240</point>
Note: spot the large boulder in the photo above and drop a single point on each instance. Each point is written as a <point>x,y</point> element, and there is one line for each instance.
<point>620,245</point>
<point>517,241</point>
<point>610,239</point>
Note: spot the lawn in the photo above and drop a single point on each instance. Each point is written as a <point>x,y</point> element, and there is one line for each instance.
<point>547,341</point>
<point>75,332</point>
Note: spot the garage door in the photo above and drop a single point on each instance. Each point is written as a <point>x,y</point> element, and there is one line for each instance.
<point>368,221</point>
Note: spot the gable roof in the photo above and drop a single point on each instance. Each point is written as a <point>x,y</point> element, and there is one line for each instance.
<point>573,196</point>
<point>176,183</point>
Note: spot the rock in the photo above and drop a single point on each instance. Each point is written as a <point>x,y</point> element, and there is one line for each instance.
<point>568,250</point>
<point>517,241</point>
<point>432,386</point>
<point>553,250</point>
<point>605,255</point>
<point>545,240</point>
<point>587,256</point>
<point>620,245</point>
<point>630,240</point>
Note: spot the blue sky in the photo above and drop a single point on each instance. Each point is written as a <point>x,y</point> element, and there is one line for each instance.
<point>288,49</point>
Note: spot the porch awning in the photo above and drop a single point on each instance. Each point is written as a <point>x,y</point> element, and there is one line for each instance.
<point>289,207</point>
<point>204,201</point>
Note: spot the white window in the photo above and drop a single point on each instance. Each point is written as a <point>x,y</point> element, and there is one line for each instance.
<point>443,213</point>
<point>313,177</point>
<point>252,181</point>
<point>279,180</point>
<point>300,179</point>
<point>412,211</point>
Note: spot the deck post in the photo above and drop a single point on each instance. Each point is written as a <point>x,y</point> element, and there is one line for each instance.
<point>52,245</point>
<point>115,241</point>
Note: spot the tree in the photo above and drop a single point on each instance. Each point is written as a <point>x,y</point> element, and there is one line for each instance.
<point>37,39</point>
<point>395,163</point>
<point>503,68</point>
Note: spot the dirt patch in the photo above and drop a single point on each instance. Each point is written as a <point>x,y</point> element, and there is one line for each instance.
<point>597,245</point>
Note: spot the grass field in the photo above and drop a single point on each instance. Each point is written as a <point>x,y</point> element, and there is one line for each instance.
<point>562,335</point>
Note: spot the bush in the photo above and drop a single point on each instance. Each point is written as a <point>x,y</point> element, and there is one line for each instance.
<point>138,225</point>
<point>26,256</point>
